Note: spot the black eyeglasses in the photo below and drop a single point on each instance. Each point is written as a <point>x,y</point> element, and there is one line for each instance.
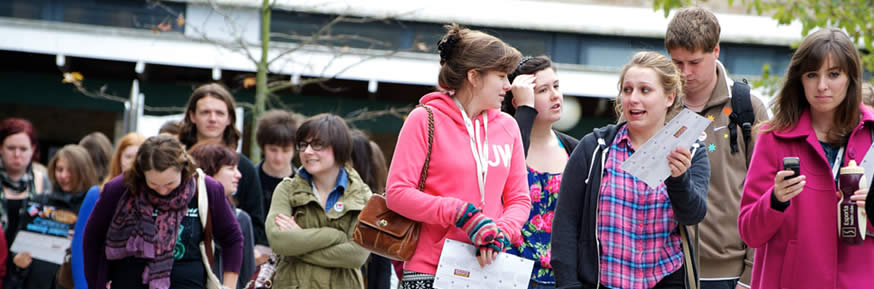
<point>315,145</point>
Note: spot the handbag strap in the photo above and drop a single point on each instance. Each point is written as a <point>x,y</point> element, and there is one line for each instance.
<point>424,173</point>
<point>203,210</point>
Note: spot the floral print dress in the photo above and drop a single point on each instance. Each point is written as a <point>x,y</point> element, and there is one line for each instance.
<point>537,232</point>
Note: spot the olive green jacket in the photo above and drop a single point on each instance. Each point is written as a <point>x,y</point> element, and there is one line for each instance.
<point>322,253</point>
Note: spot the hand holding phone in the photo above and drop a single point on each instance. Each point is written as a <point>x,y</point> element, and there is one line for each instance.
<point>788,185</point>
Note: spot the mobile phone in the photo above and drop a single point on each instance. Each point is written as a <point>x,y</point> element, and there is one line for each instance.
<point>792,164</point>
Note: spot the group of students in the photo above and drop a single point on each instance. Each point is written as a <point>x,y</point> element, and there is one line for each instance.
<point>523,187</point>
<point>139,219</point>
<point>722,219</point>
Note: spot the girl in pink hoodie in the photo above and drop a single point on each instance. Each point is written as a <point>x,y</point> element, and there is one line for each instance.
<point>793,221</point>
<point>476,189</point>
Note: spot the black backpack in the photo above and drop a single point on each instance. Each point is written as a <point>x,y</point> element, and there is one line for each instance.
<point>741,113</point>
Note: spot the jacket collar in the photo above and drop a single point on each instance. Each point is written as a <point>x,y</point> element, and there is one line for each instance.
<point>804,127</point>
<point>354,198</point>
<point>608,132</point>
<point>722,91</point>
<point>342,179</point>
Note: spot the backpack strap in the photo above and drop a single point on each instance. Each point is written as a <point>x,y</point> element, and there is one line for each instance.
<point>689,243</point>
<point>741,113</point>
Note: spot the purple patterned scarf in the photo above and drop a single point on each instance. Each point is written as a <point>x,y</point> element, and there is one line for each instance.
<point>134,232</point>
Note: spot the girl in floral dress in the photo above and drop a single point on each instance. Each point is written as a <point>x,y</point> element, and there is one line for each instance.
<point>536,102</point>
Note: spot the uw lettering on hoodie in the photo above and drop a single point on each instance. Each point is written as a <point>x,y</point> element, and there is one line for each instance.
<point>452,177</point>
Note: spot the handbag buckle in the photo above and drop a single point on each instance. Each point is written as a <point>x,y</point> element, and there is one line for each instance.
<point>382,222</point>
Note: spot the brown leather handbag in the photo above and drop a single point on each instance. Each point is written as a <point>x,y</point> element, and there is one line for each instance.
<point>385,232</point>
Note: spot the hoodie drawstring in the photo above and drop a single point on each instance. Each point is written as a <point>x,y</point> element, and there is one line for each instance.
<point>479,149</point>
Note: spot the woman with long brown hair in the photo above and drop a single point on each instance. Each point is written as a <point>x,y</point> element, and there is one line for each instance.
<point>476,189</point>
<point>72,174</point>
<point>793,221</point>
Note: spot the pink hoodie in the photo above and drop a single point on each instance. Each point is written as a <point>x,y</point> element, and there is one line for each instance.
<point>452,180</point>
<point>799,247</point>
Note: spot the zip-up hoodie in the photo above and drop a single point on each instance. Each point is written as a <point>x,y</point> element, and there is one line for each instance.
<point>575,244</point>
<point>452,180</point>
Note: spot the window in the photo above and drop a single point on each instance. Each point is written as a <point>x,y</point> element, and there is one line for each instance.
<point>116,13</point>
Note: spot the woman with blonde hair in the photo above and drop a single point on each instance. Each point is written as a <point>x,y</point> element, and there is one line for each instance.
<point>124,154</point>
<point>611,229</point>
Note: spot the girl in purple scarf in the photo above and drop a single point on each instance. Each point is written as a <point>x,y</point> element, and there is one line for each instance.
<point>145,230</point>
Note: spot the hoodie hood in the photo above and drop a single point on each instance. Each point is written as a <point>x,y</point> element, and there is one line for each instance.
<point>444,103</point>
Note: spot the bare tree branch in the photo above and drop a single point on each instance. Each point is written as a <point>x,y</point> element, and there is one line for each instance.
<point>366,114</point>
<point>102,93</point>
<point>286,84</point>
<point>332,38</point>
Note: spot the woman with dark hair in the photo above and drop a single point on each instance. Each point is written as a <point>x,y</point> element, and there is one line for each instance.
<point>72,173</point>
<point>477,196</point>
<point>145,230</point>
<point>220,163</point>
<point>313,215</point>
<point>369,161</point>
<point>18,178</point>
<point>210,115</point>
<point>536,103</point>
<point>793,221</point>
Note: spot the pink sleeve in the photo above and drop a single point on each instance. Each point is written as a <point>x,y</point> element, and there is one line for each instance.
<point>517,200</point>
<point>402,194</point>
<point>757,221</point>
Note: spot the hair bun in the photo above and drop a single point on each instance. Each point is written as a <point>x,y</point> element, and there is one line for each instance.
<point>445,46</point>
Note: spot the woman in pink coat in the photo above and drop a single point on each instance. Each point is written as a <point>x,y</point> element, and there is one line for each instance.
<point>792,221</point>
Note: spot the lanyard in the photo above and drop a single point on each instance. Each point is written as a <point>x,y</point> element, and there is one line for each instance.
<point>479,149</point>
<point>836,166</point>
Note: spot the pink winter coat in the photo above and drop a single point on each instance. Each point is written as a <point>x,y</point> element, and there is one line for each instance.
<point>799,247</point>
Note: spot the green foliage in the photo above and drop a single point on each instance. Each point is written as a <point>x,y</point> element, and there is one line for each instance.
<point>856,17</point>
<point>769,82</point>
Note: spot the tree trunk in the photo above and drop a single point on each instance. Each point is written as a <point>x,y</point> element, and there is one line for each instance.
<point>261,91</point>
